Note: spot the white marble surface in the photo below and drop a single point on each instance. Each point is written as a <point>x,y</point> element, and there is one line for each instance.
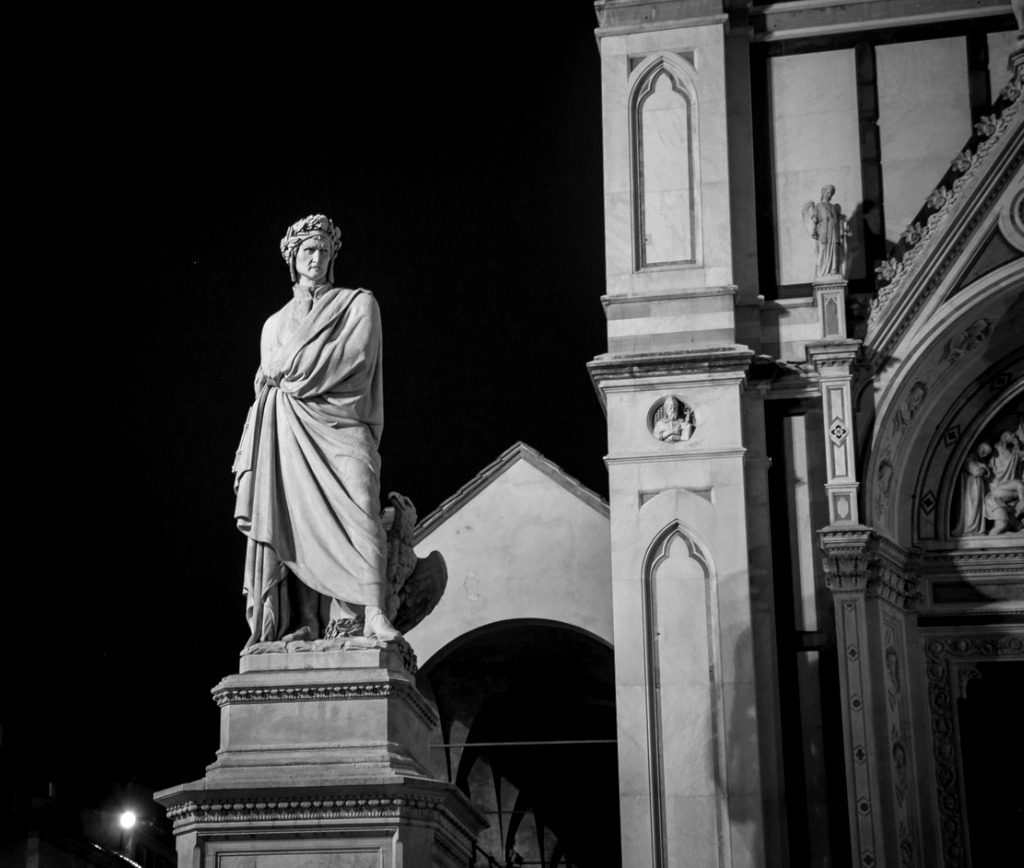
<point>697,53</point>
<point>924,120</point>
<point>709,753</point>
<point>524,547</point>
<point>815,141</point>
<point>666,197</point>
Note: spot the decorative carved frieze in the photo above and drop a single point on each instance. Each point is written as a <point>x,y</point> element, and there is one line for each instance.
<point>950,663</point>
<point>900,746</point>
<point>354,806</point>
<point>956,185</point>
<point>850,559</point>
<point>319,692</point>
<point>862,562</point>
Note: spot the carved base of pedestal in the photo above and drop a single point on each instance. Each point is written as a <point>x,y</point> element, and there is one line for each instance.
<point>324,759</point>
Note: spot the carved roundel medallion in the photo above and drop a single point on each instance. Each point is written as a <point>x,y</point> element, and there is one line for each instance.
<point>671,420</point>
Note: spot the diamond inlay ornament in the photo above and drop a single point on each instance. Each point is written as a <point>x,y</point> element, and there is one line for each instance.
<point>952,435</point>
<point>1001,381</point>
<point>928,502</point>
<point>838,431</point>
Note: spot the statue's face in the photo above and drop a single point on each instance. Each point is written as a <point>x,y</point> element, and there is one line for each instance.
<point>313,260</point>
<point>671,409</point>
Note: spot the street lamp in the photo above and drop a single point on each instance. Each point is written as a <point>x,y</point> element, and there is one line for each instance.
<point>127,819</point>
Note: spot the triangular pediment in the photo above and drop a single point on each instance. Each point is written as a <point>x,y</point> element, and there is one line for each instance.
<point>514,455</point>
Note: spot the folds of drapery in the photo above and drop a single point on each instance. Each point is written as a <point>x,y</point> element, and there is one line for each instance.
<point>307,467</point>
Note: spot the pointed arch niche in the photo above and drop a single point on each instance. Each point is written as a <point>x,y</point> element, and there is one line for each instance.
<point>682,672</point>
<point>662,123</point>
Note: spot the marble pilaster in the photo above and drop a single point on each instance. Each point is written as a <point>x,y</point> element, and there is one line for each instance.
<point>873,584</point>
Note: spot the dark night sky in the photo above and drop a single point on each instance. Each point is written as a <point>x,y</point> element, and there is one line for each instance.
<point>461,155</point>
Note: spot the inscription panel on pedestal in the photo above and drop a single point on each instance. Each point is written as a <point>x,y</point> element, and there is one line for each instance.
<point>331,852</point>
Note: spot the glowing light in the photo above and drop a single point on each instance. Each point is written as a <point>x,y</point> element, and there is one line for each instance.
<point>127,819</point>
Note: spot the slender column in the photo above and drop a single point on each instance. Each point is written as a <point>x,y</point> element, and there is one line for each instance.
<point>873,584</point>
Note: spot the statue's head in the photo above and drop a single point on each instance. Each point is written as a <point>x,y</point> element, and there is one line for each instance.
<point>827,192</point>
<point>671,406</point>
<point>315,230</point>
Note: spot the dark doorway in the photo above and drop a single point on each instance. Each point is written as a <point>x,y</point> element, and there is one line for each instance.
<point>528,715</point>
<point>991,721</point>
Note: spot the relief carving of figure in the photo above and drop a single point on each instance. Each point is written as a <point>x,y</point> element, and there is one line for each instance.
<point>307,470</point>
<point>905,415</point>
<point>827,226</point>
<point>969,339</point>
<point>991,489</point>
<point>672,425</point>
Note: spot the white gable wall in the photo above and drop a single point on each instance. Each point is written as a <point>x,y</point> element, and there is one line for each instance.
<point>524,547</point>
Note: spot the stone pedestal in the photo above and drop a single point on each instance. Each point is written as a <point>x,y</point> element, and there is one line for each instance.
<point>324,759</point>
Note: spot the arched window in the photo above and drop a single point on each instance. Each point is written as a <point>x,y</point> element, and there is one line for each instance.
<point>664,204</point>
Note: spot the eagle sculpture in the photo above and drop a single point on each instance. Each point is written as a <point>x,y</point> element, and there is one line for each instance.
<point>414,585</point>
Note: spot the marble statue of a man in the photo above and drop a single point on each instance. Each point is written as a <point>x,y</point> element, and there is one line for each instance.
<point>307,470</point>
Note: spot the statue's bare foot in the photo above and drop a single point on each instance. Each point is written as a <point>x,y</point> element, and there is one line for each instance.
<point>305,633</point>
<point>378,626</point>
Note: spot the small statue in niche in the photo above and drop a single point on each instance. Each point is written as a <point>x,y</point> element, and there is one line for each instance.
<point>673,421</point>
<point>827,226</point>
<point>991,488</point>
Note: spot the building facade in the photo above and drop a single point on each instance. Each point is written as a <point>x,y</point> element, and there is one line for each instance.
<point>813,576</point>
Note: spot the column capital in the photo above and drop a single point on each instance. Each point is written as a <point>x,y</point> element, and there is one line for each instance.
<point>860,562</point>
<point>833,358</point>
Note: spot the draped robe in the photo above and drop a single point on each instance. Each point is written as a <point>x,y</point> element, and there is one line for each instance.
<point>307,468</point>
<point>829,234</point>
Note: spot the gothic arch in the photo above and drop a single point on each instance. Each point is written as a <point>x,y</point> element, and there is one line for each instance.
<point>677,543</point>
<point>664,159</point>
